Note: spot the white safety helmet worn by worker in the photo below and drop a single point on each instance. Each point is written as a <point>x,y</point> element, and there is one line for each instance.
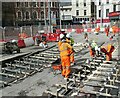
<point>68,35</point>
<point>61,36</point>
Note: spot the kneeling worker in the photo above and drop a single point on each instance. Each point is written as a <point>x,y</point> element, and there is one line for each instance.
<point>108,51</point>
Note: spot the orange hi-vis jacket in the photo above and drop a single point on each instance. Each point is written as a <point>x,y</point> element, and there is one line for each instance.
<point>64,49</point>
<point>71,52</point>
<point>114,29</point>
<point>59,44</point>
<point>108,51</point>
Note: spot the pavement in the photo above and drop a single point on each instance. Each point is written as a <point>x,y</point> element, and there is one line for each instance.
<point>35,85</point>
<point>25,51</point>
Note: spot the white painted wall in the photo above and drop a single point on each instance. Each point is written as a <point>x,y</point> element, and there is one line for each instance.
<point>104,7</point>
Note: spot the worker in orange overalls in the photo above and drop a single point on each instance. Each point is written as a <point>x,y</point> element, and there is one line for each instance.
<point>108,51</point>
<point>71,42</point>
<point>107,30</point>
<point>65,57</point>
<point>97,29</point>
<point>114,29</point>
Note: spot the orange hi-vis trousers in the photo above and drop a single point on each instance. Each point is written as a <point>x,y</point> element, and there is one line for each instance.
<point>92,53</point>
<point>65,60</point>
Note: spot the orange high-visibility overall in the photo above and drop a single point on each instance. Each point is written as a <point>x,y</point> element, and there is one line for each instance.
<point>92,53</point>
<point>65,58</point>
<point>114,29</point>
<point>110,49</point>
<point>72,60</point>
<point>107,31</point>
<point>59,44</point>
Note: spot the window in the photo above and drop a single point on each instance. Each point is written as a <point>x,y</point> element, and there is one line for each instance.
<point>19,15</point>
<point>84,12</point>
<point>99,2</point>
<point>26,4</point>
<point>114,8</point>
<point>99,13</point>
<point>77,12</point>
<point>107,12</point>
<point>84,2</point>
<point>53,4</point>
<point>34,4</point>
<point>77,4</point>
<point>41,4</point>
<point>35,15</point>
<point>107,2</point>
<point>42,15</point>
<point>27,15</point>
<point>18,4</point>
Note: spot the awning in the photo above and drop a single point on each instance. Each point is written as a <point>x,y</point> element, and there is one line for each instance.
<point>112,14</point>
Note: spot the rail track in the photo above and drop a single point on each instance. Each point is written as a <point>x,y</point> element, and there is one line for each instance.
<point>94,78</point>
<point>21,67</point>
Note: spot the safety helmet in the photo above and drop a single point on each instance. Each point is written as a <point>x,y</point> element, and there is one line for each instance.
<point>68,35</point>
<point>61,36</point>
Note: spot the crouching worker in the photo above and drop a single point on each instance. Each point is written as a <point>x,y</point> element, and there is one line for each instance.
<point>71,42</point>
<point>92,48</point>
<point>65,57</point>
<point>43,44</point>
<point>108,51</point>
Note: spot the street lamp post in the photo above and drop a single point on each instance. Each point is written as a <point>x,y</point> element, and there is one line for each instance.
<point>102,13</point>
<point>60,16</point>
<point>49,15</point>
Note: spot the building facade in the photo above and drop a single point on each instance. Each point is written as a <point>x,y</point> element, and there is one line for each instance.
<point>80,11</point>
<point>104,8</point>
<point>36,13</point>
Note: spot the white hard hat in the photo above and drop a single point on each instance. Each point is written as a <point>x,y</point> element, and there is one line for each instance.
<point>61,36</point>
<point>68,35</point>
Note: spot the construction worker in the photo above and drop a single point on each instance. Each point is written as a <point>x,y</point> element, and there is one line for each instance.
<point>71,42</point>
<point>92,48</point>
<point>107,30</point>
<point>108,51</point>
<point>65,57</point>
<point>114,29</point>
<point>97,30</point>
<point>86,37</point>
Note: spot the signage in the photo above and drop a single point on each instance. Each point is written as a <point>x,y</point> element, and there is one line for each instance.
<point>114,14</point>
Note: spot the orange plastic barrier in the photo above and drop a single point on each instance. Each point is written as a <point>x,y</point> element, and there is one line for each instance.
<point>69,30</point>
<point>78,30</point>
<point>89,30</point>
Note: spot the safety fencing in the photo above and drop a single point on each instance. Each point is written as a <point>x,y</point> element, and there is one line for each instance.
<point>10,33</point>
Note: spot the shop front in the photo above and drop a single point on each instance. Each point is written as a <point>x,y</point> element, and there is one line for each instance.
<point>114,17</point>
